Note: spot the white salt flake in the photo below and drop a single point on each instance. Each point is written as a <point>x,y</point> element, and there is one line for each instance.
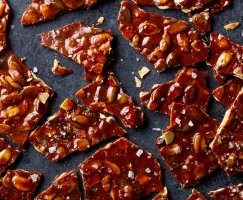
<point>194,75</point>
<point>190,124</point>
<point>148,170</point>
<point>183,112</point>
<point>178,121</point>
<point>52,149</point>
<point>139,152</point>
<point>34,177</point>
<point>130,174</point>
<point>35,69</point>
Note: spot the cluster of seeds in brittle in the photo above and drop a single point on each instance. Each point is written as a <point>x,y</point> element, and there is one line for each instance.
<point>165,42</point>
<point>88,46</point>
<point>120,170</point>
<point>106,95</point>
<point>188,87</point>
<point>19,184</point>
<point>225,57</point>
<point>184,145</point>
<point>72,129</point>
<point>7,155</point>
<point>40,11</point>
<point>65,186</point>
<point>24,98</point>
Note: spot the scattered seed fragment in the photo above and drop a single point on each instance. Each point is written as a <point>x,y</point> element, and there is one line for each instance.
<point>138,82</point>
<point>100,21</point>
<point>232,26</point>
<point>144,71</point>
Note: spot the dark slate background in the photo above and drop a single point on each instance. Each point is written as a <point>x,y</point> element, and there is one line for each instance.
<point>25,43</point>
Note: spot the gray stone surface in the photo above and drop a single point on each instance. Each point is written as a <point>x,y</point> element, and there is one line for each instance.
<point>25,43</point>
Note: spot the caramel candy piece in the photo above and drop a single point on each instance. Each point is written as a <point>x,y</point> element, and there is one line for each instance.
<point>7,155</point>
<point>227,145</point>
<point>225,57</point>
<point>73,129</point>
<point>188,156</point>
<point>87,46</point>
<point>227,93</point>
<point>164,41</point>
<point>19,185</point>
<point>121,169</point>
<point>188,87</point>
<point>45,10</point>
<point>234,192</point>
<point>106,95</point>
<point>65,186</point>
<point>24,98</point>
<point>196,195</point>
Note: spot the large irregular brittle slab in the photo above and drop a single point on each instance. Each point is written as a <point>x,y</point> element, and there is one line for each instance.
<point>4,15</point>
<point>184,145</point>
<point>165,42</point>
<point>234,192</point>
<point>195,195</point>
<point>7,155</point>
<point>88,46</point>
<point>106,95</point>
<point>227,93</point>
<point>188,87</point>
<point>24,98</point>
<point>19,185</point>
<point>225,57</point>
<point>121,170</point>
<point>228,142</point>
<point>65,186</point>
<point>163,195</point>
<point>72,129</point>
<point>187,5</point>
<point>43,10</point>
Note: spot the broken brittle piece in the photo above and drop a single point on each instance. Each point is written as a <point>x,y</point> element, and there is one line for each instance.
<point>165,42</point>
<point>4,15</point>
<point>72,129</point>
<point>214,6</point>
<point>163,195</point>
<point>59,70</point>
<point>7,155</point>
<point>188,87</point>
<point>44,10</point>
<point>88,46</point>
<point>121,170</point>
<point>227,93</point>
<point>184,145</point>
<point>106,95</point>
<point>225,57</point>
<point>196,195</point>
<point>24,98</point>
<point>202,21</point>
<point>234,192</point>
<point>227,144</point>
<point>19,185</point>
<point>65,186</point>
